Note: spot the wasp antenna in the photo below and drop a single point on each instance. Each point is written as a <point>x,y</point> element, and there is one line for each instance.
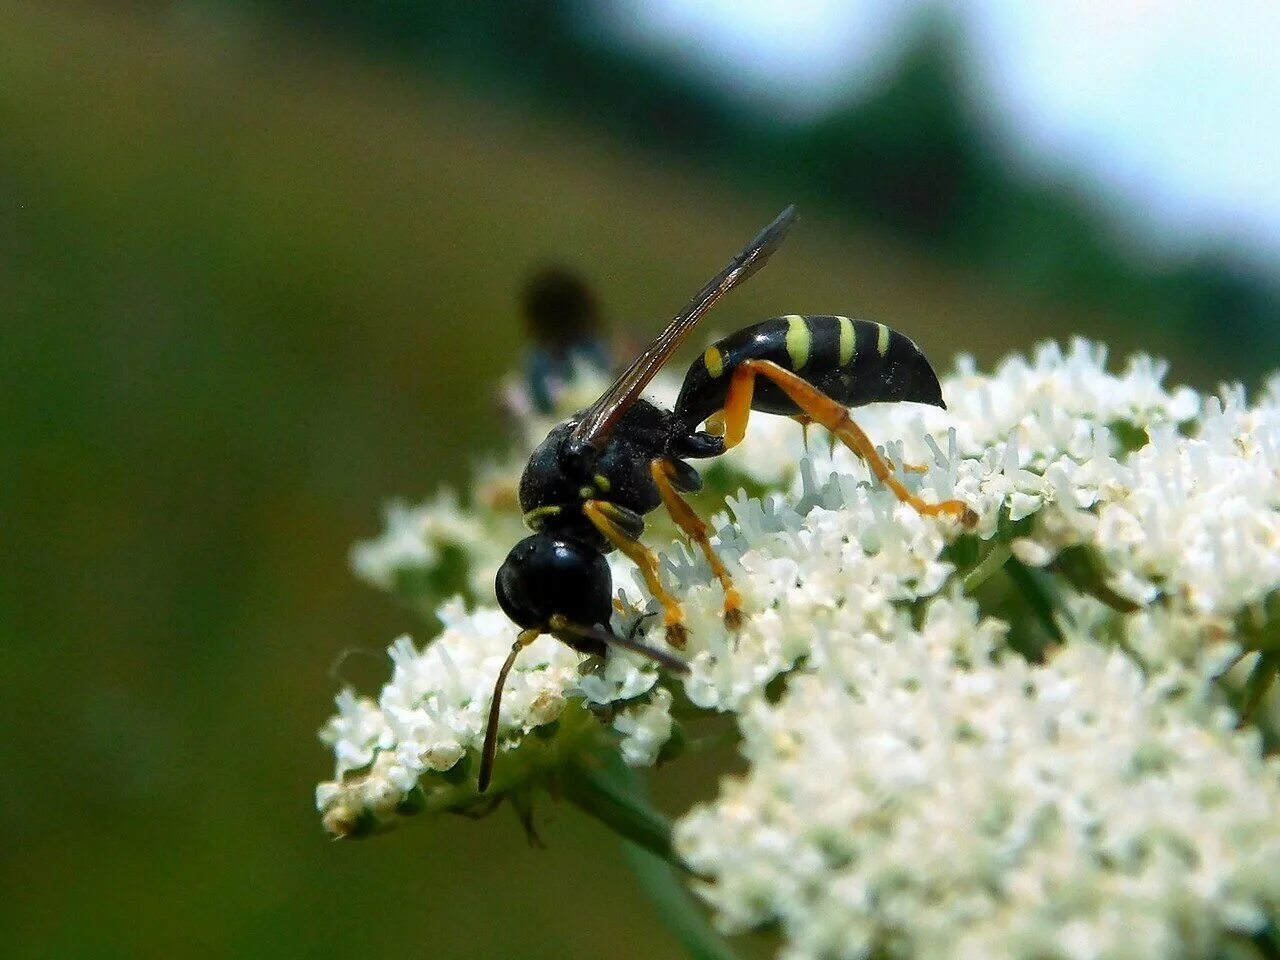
<point>490,750</point>
<point>668,660</point>
<point>349,653</point>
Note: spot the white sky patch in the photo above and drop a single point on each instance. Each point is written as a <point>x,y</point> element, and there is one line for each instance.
<point>1172,107</point>
<point>798,57</point>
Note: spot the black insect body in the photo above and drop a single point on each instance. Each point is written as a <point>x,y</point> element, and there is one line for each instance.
<point>563,320</point>
<point>589,484</point>
<point>851,361</point>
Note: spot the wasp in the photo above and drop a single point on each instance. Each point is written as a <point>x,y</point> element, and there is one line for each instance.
<point>589,484</point>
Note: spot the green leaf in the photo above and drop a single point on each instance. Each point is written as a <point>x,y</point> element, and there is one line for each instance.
<point>996,558</point>
<point>1084,570</point>
<point>676,908</point>
<point>601,792</point>
<point>661,880</point>
<point>1260,680</point>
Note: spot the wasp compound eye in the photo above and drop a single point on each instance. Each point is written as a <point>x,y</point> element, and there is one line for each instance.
<point>545,576</point>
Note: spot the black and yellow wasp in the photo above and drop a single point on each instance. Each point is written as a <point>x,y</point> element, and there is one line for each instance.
<point>589,484</point>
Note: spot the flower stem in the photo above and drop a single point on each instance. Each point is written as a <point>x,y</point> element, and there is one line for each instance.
<point>996,558</point>
<point>1260,680</point>
<point>1084,571</point>
<point>600,792</point>
<point>662,881</point>
<point>1040,598</point>
<point>678,912</point>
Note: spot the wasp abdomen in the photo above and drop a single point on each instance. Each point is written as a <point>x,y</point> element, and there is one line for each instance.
<point>852,361</point>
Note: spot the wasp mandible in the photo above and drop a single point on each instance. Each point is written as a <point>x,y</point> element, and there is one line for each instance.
<point>588,485</point>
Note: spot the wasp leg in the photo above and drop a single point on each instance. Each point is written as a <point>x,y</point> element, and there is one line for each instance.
<point>832,415</point>
<point>805,424</point>
<point>490,750</point>
<point>696,530</point>
<point>522,803</point>
<point>909,467</point>
<point>599,512</point>
<point>737,404</point>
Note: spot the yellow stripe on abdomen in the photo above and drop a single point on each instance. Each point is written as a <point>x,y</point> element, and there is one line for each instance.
<point>882,342</point>
<point>799,341</point>
<point>848,341</point>
<point>713,359</point>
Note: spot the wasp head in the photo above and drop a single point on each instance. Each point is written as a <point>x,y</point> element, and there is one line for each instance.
<point>546,575</point>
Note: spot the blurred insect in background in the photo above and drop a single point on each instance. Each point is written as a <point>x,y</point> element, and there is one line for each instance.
<point>588,485</point>
<point>563,319</point>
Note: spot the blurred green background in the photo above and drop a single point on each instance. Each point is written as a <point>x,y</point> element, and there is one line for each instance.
<point>258,264</point>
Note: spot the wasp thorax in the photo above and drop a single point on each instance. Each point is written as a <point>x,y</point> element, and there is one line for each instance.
<point>548,478</point>
<point>579,458</point>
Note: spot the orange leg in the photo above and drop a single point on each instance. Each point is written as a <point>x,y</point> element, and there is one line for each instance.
<point>835,417</point>
<point>805,424</point>
<point>737,404</point>
<point>598,512</point>
<point>660,468</point>
<point>909,467</point>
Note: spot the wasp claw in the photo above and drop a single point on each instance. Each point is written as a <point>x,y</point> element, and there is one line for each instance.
<point>960,511</point>
<point>677,635</point>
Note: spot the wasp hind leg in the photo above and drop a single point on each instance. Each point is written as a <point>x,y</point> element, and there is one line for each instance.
<point>606,518</point>
<point>695,528</point>
<point>820,408</point>
<point>908,467</point>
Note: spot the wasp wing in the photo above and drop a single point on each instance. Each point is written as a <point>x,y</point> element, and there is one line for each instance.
<point>604,413</point>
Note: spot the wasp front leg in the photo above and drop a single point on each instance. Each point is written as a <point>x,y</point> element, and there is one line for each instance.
<point>615,526</point>
<point>665,476</point>
<point>835,417</point>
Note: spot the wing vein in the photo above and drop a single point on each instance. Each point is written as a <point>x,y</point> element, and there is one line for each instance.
<point>602,415</point>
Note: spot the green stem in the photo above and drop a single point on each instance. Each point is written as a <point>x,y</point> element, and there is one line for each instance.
<point>601,793</point>
<point>996,558</point>
<point>663,883</point>
<point>1084,571</point>
<point>1260,680</point>
<point>1039,597</point>
<point>1267,942</point>
<point>678,912</point>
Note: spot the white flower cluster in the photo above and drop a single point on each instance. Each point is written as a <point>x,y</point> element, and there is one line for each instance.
<point>920,798</point>
<point>433,711</point>
<point>1174,497</point>
<point>414,540</point>
<point>920,788</point>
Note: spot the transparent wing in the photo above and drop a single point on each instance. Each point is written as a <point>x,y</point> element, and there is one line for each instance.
<point>604,413</point>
